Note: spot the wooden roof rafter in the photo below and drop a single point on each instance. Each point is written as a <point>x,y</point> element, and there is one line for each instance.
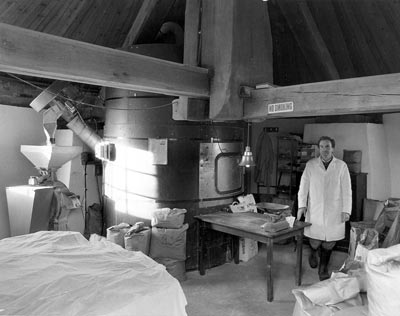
<point>149,19</point>
<point>324,13</point>
<point>140,21</point>
<point>309,39</point>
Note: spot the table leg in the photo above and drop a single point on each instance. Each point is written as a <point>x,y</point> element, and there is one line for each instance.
<point>299,258</point>
<point>270,285</point>
<point>235,249</point>
<point>201,251</point>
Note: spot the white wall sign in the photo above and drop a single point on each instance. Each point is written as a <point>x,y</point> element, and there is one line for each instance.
<point>159,148</point>
<point>280,107</point>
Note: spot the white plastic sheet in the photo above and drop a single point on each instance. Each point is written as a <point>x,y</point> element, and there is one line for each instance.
<point>61,273</point>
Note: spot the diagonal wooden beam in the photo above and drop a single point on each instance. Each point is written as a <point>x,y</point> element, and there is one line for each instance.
<point>338,97</point>
<point>43,55</point>
<point>357,41</point>
<point>140,22</point>
<point>333,35</point>
<point>307,35</point>
<point>148,21</point>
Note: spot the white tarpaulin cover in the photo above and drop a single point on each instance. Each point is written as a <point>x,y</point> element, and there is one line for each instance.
<point>61,273</point>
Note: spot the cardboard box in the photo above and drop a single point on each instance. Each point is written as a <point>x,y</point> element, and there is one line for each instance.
<point>248,248</point>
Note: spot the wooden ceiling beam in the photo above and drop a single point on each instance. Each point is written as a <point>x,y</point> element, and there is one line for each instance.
<point>338,97</point>
<point>43,55</point>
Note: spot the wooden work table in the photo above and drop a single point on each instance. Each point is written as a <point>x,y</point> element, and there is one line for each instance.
<point>248,225</point>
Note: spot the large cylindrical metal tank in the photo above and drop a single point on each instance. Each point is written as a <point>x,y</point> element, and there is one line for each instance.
<point>165,163</point>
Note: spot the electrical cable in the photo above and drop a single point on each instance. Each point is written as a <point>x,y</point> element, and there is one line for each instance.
<point>99,191</point>
<point>87,216</point>
<point>216,136</point>
<point>144,109</point>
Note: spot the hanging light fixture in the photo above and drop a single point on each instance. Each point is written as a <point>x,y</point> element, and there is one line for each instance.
<point>247,158</point>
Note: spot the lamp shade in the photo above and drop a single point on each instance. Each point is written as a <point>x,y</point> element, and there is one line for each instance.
<point>247,158</point>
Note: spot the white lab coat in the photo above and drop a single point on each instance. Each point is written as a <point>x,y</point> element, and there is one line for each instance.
<point>326,194</point>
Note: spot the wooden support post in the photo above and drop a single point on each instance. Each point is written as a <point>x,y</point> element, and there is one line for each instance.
<point>236,45</point>
<point>185,108</point>
<point>233,40</point>
<point>270,260</point>
<point>299,264</point>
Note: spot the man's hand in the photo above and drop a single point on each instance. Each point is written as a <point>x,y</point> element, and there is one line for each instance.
<point>345,217</point>
<point>300,212</point>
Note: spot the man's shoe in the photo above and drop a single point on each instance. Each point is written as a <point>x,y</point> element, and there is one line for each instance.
<point>323,272</point>
<point>313,258</point>
<point>323,276</point>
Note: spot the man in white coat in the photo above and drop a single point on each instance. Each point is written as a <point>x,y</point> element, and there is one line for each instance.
<point>324,198</point>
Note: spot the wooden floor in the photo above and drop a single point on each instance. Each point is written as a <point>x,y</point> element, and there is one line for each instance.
<point>240,290</point>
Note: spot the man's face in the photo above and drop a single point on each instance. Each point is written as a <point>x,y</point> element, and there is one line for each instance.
<point>325,149</point>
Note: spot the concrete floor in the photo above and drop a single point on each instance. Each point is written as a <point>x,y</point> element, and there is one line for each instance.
<point>240,289</point>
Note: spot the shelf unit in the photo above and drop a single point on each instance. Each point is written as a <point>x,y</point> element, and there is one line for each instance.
<point>305,153</point>
<point>286,166</point>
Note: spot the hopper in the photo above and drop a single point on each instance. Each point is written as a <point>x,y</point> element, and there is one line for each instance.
<point>51,156</point>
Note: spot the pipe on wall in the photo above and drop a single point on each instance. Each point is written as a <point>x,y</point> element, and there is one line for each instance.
<point>53,104</point>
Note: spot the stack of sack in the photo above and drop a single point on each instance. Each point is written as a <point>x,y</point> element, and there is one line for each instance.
<point>168,240</point>
<point>165,241</point>
<point>135,237</point>
<point>138,238</point>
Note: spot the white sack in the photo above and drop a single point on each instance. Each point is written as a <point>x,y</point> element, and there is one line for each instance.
<point>333,290</point>
<point>383,279</point>
<point>167,218</point>
<point>307,308</point>
<point>139,241</point>
<point>327,297</point>
<point>168,243</point>
<point>359,274</point>
<point>116,233</point>
<point>353,311</point>
<point>177,268</point>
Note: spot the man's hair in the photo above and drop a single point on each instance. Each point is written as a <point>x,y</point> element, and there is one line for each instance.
<point>328,139</point>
